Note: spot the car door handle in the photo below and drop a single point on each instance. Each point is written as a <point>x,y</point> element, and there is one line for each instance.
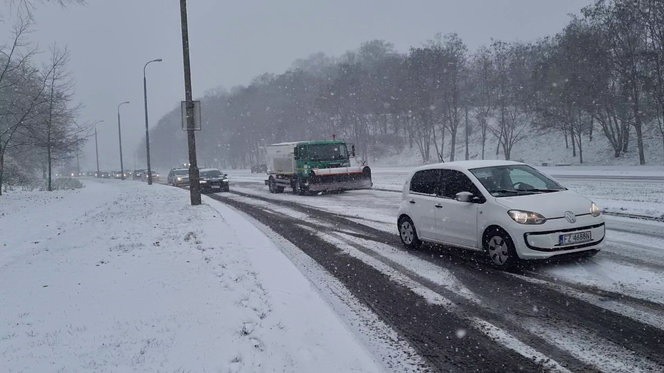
<point>412,201</point>
<point>438,206</point>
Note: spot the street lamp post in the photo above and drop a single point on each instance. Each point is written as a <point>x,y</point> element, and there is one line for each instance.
<point>120,140</point>
<point>147,131</point>
<point>97,149</point>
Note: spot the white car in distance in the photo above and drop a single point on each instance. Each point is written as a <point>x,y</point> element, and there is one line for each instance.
<point>508,209</point>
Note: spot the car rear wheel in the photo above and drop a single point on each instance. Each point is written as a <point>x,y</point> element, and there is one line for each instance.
<point>408,234</point>
<point>500,248</point>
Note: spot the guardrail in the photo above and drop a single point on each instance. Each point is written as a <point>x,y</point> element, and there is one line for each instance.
<point>634,216</point>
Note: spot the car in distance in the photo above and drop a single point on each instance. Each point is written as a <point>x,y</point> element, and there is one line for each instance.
<point>137,174</point>
<point>212,180</point>
<point>116,174</point>
<point>509,210</point>
<point>178,176</point>
<point>155,176</point>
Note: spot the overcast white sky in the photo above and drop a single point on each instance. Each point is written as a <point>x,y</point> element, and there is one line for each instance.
<point>233,41</point>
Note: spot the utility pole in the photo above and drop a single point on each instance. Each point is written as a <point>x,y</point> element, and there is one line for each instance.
<point>194,185</point>
<point>120,140</point>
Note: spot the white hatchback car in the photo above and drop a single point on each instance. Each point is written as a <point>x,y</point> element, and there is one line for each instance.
<point>508,209</point>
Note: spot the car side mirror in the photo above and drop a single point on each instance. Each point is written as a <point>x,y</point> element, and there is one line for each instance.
<point>464,197</point>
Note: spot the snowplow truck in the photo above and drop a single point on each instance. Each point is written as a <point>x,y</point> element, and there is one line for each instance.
<point>315,166</point>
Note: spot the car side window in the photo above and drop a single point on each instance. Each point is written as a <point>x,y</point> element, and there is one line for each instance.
<point>455,182</point>
<point>425,182</point>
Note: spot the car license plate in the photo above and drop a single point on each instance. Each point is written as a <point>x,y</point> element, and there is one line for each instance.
<point>574,238</point>
<point>216,187</point>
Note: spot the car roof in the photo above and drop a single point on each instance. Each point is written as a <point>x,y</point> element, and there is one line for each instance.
<point>467,165</point>
<point>209,169</point>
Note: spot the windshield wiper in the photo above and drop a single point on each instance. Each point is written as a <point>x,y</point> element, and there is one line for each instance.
<point>540,190</point>
<point>504,191</point>
<point>514,191</point>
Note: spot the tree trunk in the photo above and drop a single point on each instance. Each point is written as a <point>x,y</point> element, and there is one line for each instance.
<point>2,168</point>
<point>500,142</point>
<point>435,144</point>
<point>484,125</point>
<point>571,132</point>
<point>467,134</point>
<point>625,137</point>
<point>442,145</point>
<point>639,142</point>
<point>590,130</point>
<point>507,149</point>
<point>48,137</point>
<point>565,134</point>
<point>579,138</point>
<point>453,144</point>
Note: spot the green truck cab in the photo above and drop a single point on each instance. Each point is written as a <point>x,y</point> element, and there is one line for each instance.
<point>314,166</point>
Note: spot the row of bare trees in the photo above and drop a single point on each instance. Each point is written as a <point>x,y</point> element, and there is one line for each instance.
<point>38,115</point>
<point>603,73</point>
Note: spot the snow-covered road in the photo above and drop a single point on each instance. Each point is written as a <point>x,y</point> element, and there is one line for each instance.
<point>551,310</point>
<point>122,277</point>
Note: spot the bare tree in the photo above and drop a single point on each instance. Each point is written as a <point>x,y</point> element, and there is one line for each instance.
<point>54,130</point>
<point>21,87</point>
<point>482,91</point>
<point>513,73</point>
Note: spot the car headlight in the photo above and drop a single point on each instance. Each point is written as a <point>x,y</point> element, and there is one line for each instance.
<point>526,217</point>
<point>225,180</point>
<point>203,182</point>
<point>179,179</point>
<point>594,210</point>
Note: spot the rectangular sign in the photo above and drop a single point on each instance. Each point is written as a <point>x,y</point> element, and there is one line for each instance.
<point>197,115</point>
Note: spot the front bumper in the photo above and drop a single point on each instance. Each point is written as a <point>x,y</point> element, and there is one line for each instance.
<point>214,186</point>
<point>542,242</point>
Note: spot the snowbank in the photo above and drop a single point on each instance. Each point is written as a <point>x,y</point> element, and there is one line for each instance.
<point>121,277</point>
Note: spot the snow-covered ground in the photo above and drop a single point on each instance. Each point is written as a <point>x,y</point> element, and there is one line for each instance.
<point>625,193</point>
<point>619,268</point>
<point>121,277</point>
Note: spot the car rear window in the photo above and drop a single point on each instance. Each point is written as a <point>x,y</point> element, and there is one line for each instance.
<point>425,182</point>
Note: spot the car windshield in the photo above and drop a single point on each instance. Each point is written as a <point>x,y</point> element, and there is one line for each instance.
<point>503,181</point>
<point>211,174</point>
<point>328,152</point>
<point>181,172</point>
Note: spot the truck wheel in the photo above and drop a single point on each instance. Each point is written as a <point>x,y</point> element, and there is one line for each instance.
<point>271,186</point>
<point>299,190</point>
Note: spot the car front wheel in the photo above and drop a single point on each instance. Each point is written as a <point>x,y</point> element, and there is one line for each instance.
<point>500,248</point>
<point>408,234</point>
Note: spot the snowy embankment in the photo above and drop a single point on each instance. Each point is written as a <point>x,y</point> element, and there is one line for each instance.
<point>121,277</point>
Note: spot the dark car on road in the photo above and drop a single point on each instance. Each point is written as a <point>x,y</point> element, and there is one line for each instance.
<point>178,177</point>
<point>259,168</point>
<point>212,180</point>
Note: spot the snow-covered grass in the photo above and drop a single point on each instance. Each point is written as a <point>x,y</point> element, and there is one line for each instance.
<point>120,277</point>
